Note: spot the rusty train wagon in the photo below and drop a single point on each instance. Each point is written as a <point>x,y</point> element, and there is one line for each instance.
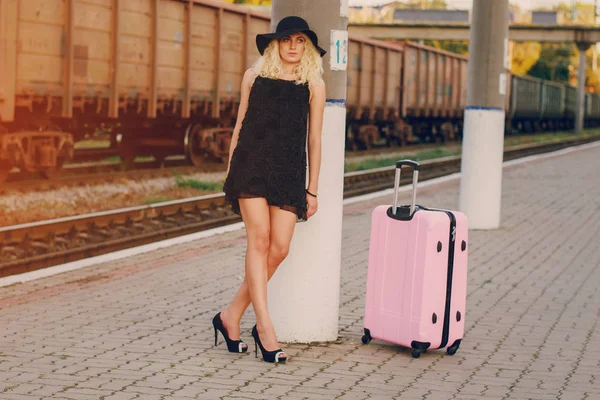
<point>434,92</point>
<point>163,74</point>
<point>403,92</point>
<point>373,95</point>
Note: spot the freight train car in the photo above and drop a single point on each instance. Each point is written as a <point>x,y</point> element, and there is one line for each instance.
<point>525,103</point>
<point>537,105</point>
<point>552,106</point>
<point>163,74</point>
<point>373,94</point>
<point>592,110</point>
<point>434,92</point>
<point>403,92</point>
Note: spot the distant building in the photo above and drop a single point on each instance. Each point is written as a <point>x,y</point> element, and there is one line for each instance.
<point>430,15</point>
<point>544,17</point>
<point>548,17</point>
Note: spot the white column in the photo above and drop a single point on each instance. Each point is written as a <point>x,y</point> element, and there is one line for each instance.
<point>481,178</point>
<point>483,145</point>
<point>303,295</point>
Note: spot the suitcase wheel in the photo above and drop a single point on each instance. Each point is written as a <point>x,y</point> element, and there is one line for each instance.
<point>452,349</point>
<point>367,336</point>
<point>416,353</point>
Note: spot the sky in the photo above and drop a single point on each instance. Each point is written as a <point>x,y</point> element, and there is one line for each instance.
<point>466,4</point>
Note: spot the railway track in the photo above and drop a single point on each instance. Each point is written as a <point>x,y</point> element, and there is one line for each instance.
<point>106,172</point>
<point>33,246</point>
<point>98,172</point>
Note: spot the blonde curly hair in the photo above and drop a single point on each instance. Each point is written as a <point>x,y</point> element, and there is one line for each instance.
<point>308,70</point>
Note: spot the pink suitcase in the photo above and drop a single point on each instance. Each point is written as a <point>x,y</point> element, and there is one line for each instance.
<point>417,275</point>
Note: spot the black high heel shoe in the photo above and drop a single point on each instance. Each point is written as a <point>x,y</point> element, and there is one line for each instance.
<point>234,346</point>
<point>268,356</point>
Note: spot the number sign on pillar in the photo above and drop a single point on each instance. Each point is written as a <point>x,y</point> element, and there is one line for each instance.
<point>339,50</point>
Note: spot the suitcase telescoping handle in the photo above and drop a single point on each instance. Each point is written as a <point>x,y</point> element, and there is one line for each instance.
<point>399,165</point>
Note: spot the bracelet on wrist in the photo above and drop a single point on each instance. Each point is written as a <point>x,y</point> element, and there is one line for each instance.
<point>311,194</point>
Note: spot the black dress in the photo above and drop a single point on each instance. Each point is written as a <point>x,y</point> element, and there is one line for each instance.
<point>270,157</point>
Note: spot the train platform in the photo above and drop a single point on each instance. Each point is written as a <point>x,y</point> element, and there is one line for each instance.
<point>140,327</point>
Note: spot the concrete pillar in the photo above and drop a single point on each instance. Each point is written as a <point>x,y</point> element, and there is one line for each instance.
<point>580,107</point>
<point>303,295</point>
<point>482,151</point>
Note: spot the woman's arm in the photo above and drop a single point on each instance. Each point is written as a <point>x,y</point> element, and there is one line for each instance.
<point>247,82</point>
<point>317,107</point>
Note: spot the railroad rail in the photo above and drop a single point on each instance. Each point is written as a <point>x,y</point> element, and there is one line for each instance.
<point>38,245</point>
<point>89,173</point>
<point>106,172</point>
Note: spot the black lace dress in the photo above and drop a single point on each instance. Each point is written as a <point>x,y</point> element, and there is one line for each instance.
<point>270,157</point>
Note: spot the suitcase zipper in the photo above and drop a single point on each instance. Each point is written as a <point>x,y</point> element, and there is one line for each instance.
<point>446,328</point>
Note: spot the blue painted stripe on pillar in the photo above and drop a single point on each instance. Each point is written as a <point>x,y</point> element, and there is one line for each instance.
<point>484,108</point>
<point>338,102</point>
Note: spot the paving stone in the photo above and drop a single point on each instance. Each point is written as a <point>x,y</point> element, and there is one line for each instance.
<point>351,395</point>
<point>144,330</point>
<point>122,396</point>
<point>15,396</point>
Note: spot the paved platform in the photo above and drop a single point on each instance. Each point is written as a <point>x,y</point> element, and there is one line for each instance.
<point>140,328</point>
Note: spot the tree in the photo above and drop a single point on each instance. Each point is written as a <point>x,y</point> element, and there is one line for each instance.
<point>423,4</point>
<point>560,61</point>
<point>524,56</point>
<point>454,46</point>
<point>553,63</point>
<point>584,13</point>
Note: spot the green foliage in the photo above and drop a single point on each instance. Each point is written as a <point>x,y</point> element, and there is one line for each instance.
<point>154,200</point>
<point>137,159</point>
<point>554,62</point>
<point>547,137</point>
<point>440,152</point>
<point>371,163</point>
<point>524,56</point>
<point>584,13</point>
<point>437,152</point>
<point>92,144</point>
<point>199,185</point>
<point>454,46</point>
<point>422,4</point>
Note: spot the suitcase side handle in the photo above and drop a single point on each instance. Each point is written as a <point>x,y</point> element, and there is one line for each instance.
<point>399,165</point>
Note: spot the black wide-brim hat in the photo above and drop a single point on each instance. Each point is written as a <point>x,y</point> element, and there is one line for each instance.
<point>286,27</point>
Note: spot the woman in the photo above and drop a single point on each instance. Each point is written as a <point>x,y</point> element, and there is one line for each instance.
<point>266,175</point>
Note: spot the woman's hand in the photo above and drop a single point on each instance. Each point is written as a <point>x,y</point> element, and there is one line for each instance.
<point>313,204</point>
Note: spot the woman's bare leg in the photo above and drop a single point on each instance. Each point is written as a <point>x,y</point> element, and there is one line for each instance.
<point>281,231</point>
<point>282,228</point>
<point>256,216</point>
